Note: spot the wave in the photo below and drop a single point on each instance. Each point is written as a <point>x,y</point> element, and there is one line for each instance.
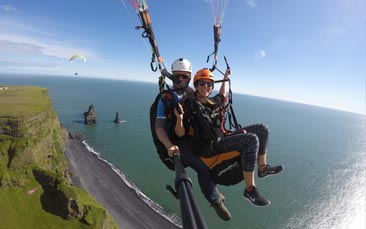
<point>173,218</point>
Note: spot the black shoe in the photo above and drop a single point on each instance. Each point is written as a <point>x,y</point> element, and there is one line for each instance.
<point>255,198</point>
<point>220,208</point>
<point>270,170</point>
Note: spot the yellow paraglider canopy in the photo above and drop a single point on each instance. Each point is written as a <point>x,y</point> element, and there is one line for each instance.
<point>76,56</point>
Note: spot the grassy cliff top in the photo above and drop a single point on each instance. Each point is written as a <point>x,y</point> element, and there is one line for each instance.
<point>32,145</point>
<point>22,100</point>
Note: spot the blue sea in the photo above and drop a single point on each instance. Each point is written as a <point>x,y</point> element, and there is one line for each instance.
<point>323,151</point>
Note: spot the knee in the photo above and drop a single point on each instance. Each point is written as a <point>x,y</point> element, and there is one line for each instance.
<point>263,128</point>
<point>202,172</point>
<point>253,137</point>
<point>253,140</point>
<point>262,132</point>
<point>200,167</point>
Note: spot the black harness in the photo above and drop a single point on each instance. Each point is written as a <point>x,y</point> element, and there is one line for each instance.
<point>170,102</point>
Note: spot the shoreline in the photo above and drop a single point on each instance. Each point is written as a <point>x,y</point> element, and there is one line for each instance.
<point>98,179</point>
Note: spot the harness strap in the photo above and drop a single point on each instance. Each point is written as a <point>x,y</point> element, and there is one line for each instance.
<point>197,109</point>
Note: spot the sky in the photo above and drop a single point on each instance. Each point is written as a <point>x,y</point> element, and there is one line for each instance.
<point>307,51</point>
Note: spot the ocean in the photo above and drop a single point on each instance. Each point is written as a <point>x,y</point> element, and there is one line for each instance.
<point>323,151</point>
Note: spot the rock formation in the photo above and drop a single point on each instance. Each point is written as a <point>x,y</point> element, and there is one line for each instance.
<point>75,136</point>
<point>117,119</point>
<point>89,116</point>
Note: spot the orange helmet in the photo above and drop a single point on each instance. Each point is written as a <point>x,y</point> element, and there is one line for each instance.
<point>203,74</point>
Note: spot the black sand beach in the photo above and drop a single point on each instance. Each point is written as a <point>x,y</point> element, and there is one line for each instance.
<point>98,179</point>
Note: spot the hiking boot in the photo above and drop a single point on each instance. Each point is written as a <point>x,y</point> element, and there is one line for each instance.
<point>255,197</point>
<point>221,210</point>
<point>270,170</point>
<point>221,196</point>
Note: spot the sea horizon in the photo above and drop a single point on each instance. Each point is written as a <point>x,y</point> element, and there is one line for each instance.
<point>151,82</point>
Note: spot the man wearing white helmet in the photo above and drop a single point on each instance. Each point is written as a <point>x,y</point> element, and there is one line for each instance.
<point>167,118</point>
<point>182,70</point>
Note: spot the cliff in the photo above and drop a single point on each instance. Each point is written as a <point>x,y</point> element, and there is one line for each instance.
<point>34,187</point>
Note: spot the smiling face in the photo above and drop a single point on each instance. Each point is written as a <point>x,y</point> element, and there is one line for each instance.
<point>184,78</point>
<point>204,88</point>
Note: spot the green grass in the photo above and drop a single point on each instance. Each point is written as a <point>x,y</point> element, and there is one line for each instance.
<point>23,101</point>
<point>31,156</point>
<point>21,210</point>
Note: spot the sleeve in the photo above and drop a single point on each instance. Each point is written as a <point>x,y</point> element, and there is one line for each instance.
<point>160,110</point>
<point>218,99</point>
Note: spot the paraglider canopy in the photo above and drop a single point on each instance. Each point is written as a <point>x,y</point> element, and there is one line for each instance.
<point>77,56</point>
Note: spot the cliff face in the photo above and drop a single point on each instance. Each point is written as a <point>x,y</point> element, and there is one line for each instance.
<point>32,165</point>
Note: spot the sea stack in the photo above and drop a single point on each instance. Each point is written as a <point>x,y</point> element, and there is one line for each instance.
<point>89,116</point>
<point>117,119</point>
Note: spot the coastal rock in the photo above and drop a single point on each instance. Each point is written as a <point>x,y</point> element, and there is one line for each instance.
<point>90,116</point>
<point>117,119</point>
<point>75,209</point>
<point>75,136</point>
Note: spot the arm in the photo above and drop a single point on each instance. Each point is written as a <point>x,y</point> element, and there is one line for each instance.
<point>160,127</point>
<point>223,84</point>
<point>179,128</point>
<point>161,130</point>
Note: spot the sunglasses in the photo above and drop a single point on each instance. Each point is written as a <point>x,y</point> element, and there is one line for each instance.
<point>181,76</point>
<point>203,83</point>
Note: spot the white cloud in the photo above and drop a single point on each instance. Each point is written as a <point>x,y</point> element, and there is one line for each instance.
<point>260,54</point>
<point>22,64</point>
<point>251,3</point>
<point>19,47</point>
<point>25,44</point>
<point>11,25</point>
<point>18,37</point>
<point>9,9</point>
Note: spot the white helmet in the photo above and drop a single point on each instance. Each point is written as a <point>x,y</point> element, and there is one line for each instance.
<point>182,64</point>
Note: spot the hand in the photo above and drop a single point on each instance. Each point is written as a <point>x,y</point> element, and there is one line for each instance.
<point>173,151</point>
<point>227,73</point>
<point>179,116</point>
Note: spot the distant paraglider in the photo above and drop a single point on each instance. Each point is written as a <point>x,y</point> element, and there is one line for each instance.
<point>77,56</point>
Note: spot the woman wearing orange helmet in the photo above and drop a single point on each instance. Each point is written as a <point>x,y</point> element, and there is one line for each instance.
<point>246,141</point>
<point>201,80</point>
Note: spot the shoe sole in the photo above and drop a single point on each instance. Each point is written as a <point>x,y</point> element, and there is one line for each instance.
<point>272,174</point>
<point>245,198</point>
<point>221,217</point>
<point>222,197</point>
